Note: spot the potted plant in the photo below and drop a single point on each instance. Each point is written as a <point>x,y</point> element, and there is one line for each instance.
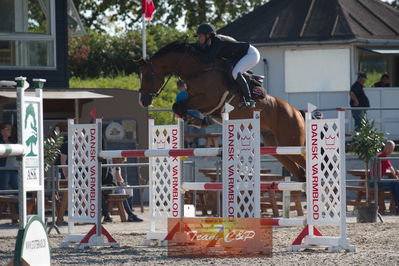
<point>52,149</point>
<point>367,143</point>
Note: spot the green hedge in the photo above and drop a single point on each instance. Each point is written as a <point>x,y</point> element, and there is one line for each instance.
<point>98,55</point>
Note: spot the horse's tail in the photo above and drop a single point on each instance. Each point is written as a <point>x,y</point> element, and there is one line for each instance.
<point>302,113</point>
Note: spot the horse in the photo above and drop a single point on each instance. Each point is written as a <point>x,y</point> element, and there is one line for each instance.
<point>208,89</point>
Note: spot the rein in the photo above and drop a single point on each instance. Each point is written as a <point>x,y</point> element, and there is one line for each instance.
<point>156,94</point>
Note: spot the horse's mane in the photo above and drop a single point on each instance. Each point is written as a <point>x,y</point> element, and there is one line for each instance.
<point>176,46</point>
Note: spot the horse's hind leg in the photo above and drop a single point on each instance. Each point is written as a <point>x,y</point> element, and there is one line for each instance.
<point>297,171</point>
<point>293,165</point>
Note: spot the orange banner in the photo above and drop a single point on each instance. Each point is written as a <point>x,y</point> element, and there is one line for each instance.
<point>219,237</point>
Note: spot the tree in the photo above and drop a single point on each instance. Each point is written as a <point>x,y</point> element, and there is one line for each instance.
<point>367,143</point>
<point>395,3</point>
<point>95,14</point>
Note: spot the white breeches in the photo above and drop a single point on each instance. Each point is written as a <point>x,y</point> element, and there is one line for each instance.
<point>247,61</point>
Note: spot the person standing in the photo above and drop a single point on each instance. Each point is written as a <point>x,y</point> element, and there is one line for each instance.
<point>358,98</point>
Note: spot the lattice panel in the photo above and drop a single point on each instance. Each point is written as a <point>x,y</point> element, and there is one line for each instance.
<point>241,154</point>
<point>324,168</point>
<point>165,173</point>
<point>83,173</point>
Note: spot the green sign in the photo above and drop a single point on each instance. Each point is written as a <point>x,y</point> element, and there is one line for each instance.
<point>32,244</point>
<point>31,126</point>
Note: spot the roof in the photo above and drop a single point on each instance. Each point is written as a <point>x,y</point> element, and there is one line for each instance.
<point>59,95</point>
<point>316,20</point>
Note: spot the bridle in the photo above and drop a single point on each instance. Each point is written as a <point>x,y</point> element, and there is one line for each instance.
<point>154,74</point>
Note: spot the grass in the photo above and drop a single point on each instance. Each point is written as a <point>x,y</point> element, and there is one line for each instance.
<point>131,82</point>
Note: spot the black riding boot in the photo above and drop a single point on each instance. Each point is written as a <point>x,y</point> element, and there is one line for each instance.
<point>247,100</point>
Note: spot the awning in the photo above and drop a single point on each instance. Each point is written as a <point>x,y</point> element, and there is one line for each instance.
<point>381,50</point>
<point>60,95</point>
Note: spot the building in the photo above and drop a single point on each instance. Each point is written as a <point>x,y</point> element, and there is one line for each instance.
<point>34,39</point>
<point>34,44</point>
<point>312,50</point>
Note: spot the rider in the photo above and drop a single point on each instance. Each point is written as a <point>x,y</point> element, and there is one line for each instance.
<point>220,46</point>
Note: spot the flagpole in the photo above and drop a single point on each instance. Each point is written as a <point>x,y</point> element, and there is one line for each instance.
<point>143,33</point>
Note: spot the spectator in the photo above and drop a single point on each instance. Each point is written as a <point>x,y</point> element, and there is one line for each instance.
<point>107,180</point>
<point>112,177</point>
<point>194,117</point>
<point>7,178</point>
<point>359,99</point>
<point>392,174</point>
<point>127,203</point>
<point>317,115</point>
<point>384,81</point>
<point>62,158</point>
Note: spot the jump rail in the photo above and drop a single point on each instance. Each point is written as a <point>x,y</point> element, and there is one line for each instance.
<point>187,186</point>
<point>198,152</point>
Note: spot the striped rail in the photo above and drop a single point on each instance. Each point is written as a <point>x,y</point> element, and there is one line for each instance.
<point>7,150</point>
<point>294,186</point>
<point>288,150</point>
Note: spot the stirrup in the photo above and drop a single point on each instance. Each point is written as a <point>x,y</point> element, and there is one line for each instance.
<point>247,103</point>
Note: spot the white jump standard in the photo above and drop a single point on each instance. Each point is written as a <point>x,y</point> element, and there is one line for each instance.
<point>84,186</point>
<point>31,175</point>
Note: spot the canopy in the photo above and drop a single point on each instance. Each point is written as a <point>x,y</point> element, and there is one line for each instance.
<point>60,95</point>
<point>382,50</point>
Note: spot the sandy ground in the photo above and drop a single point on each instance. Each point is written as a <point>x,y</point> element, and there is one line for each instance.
<point>377,244</point>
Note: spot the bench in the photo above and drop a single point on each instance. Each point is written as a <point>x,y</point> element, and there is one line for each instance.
<point>12,212</point>
<point>361,194</point>
<point>273,199</point>
<point>115,205</point>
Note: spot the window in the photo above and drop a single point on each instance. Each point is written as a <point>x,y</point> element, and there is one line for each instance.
<point>323,70</point>
<point>27,34</point>
<point>75,25</point>
<point>374,65</point>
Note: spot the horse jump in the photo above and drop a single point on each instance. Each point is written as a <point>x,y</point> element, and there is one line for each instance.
<point>325,177</point>
<point>241,185</point>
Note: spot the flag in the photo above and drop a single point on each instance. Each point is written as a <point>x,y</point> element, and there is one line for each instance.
<point>148,8</point>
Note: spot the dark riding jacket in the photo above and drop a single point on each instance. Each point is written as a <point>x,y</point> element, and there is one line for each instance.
<point>222,47</point>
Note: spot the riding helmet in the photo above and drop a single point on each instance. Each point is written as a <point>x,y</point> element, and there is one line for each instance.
<point>205,29</point>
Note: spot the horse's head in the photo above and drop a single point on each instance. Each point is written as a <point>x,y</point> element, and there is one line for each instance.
<point>151,80</point>
<point>166,61</point>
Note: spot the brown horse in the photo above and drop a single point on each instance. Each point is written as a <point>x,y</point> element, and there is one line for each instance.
<point>208,90</point>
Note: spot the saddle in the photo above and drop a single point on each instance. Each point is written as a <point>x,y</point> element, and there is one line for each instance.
<point>255,85</point>
<point>254,82</point>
